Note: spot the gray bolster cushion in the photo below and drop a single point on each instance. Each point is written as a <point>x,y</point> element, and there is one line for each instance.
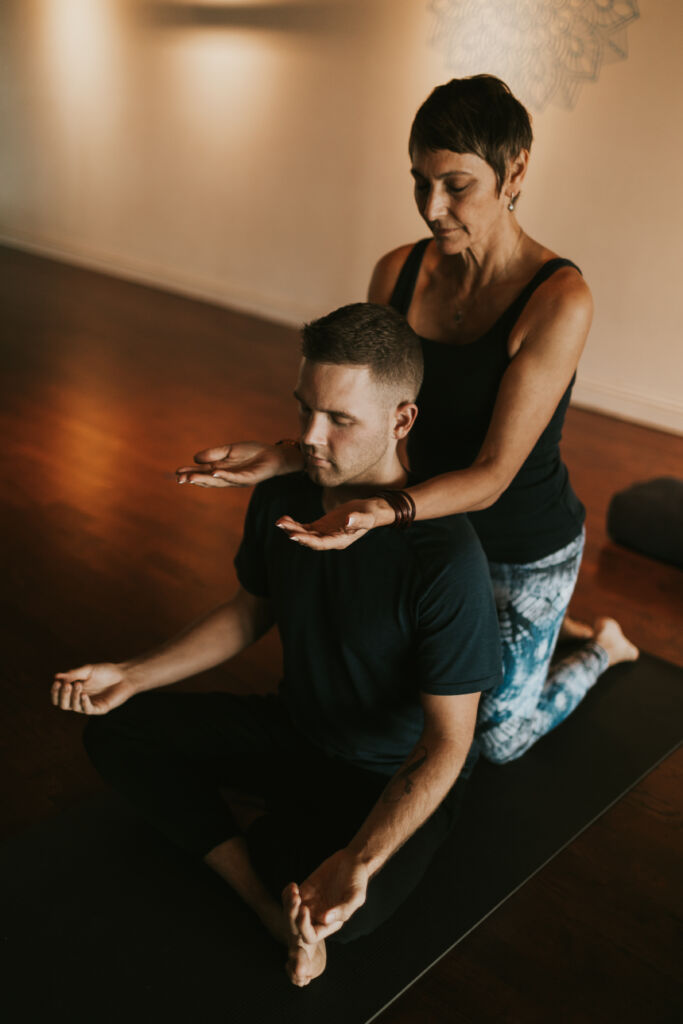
<point>648,517</point>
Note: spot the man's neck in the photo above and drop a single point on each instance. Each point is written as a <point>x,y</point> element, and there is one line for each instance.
<point>393,477</point>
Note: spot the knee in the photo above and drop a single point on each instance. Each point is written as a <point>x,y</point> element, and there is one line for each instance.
<point>500,746</point>
<point>96,737</point>
<point>104,733</point>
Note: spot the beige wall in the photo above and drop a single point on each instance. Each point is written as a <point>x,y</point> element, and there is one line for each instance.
<point>260,161</point>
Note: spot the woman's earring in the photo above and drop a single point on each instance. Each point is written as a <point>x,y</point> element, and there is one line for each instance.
<point>513,202</point>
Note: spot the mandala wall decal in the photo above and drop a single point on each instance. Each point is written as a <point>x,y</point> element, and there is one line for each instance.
<point>546,50</point>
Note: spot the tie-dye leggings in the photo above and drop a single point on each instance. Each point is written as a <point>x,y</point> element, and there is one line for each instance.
<point>535,696</point>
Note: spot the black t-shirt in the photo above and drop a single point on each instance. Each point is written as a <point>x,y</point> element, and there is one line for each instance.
<point>365,630</point>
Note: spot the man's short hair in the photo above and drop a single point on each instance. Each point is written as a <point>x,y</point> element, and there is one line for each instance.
<point>366,334</point>
<point>474,115</point>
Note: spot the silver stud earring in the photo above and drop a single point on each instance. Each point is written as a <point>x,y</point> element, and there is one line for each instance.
<point>513,202</point>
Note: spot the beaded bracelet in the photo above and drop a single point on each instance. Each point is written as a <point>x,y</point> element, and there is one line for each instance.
<point>402,504</point>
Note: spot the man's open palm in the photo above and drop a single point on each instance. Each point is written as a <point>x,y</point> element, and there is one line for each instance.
<point>243,464</point>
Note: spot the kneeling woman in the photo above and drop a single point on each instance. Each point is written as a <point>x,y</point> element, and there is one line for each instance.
<point>503,321</point>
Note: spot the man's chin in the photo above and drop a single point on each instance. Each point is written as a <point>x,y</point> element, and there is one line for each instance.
<point>323,476</point>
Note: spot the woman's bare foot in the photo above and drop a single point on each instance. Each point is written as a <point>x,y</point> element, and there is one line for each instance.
<point>306,960</point>
<point>609,636</point>
<point>572,629</point>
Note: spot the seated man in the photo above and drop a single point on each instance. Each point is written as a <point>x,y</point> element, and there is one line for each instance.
<point>386,649</point>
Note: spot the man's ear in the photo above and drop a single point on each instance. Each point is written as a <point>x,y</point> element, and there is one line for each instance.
<point>404,417</point>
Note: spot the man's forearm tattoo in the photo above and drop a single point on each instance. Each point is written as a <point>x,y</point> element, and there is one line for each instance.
<point>403,782</point>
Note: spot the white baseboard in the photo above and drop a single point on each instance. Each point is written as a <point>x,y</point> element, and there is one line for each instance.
<point>628,404</point>
<point>277,308</point>
<point>624,403</point>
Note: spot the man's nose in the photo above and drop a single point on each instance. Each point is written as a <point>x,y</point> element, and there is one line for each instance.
<point>314,433</point>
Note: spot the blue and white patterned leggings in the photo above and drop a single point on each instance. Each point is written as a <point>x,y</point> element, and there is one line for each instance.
<point>534,697</point>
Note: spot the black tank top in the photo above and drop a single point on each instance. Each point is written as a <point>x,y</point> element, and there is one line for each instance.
<point>539,512</point>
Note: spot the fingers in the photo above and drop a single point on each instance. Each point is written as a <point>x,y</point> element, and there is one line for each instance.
<point>213,454</point>
<point>200,478</point>
<point>310,536</point>
<point>287,523</point>
<point>66,689</point>
<point>89,708</point>
<point>319,542</point>
<point>234,478</point>
<point>304,925</point>
<point>67,696</point>
<point>74,675</point>
<point>312,933</point>
<point>291,902</point>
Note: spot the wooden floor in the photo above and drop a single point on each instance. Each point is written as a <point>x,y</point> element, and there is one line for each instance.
<point>105,388</point>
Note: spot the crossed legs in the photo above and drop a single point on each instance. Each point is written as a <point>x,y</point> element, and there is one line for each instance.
<point>166,753</point>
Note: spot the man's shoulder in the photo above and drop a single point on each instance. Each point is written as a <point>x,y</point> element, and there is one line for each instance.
<point>447,554</point>
<point>450,537</point>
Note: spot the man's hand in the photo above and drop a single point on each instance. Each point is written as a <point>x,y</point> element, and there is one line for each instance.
<point>243,464</point>
<point>331,895</point>
<point>337,530</point>
<point>92,689</point>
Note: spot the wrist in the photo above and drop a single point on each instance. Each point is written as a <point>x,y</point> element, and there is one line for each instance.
<point>290,456</point>
<point>363,859</point>
<point>381,510</point>
<point>401,504</point>
<point>134,678</point>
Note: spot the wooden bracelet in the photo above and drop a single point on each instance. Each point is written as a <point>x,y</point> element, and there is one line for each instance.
<point>402,504</point>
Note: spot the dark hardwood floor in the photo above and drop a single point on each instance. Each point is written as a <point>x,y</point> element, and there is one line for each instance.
<point>105,388</point>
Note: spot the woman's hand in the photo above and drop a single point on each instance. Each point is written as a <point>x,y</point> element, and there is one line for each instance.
<point>243,464</point>
<point>341,527</point>
<point>92,689</point>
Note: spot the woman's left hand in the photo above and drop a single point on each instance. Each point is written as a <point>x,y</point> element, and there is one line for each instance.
<point>337,530</point>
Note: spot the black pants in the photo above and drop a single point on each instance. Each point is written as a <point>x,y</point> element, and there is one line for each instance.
<point>169,754</point>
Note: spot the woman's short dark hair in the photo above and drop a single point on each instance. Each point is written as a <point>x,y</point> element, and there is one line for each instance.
<point>474,115</point>
<point>367,334</point>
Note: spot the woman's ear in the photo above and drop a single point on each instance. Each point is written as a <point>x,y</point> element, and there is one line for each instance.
<point>404,417</point>
<point>516,172</point>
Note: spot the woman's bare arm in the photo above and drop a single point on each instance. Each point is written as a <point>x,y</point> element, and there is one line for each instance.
<point>549,346</point>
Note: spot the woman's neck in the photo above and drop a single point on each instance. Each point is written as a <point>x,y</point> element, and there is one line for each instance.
<point>484,264</point>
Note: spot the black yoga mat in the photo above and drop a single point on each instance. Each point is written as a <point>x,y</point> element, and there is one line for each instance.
<point>103,921</point>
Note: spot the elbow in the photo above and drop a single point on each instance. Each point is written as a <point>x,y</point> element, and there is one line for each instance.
<point>487,502</point>
<point>496,478</point>
<point>498,487</point>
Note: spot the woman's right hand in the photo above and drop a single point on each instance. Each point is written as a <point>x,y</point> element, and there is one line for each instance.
<point>242,464</point>
<point>92,689</point>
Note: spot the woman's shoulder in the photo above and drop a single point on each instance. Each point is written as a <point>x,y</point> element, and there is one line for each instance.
<point>385,273</point>
<point>561,287</point>
<point>559,306</point>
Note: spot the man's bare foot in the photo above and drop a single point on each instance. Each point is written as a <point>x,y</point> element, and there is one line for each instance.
<point>230,860</point>
<point>609,636</point>
<point>572,629</point>
<point>306,960</point>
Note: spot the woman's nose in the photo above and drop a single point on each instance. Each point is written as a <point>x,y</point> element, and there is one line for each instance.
<point>434,206</point>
